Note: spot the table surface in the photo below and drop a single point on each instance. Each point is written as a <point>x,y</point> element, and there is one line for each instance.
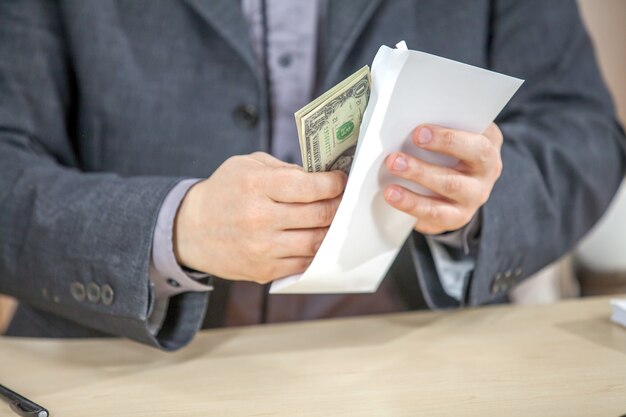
<point>565,359</point>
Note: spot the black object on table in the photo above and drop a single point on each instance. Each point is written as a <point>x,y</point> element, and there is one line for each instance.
<point>22,405</point>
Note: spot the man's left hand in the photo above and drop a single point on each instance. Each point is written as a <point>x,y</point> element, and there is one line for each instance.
<point>460,190</point>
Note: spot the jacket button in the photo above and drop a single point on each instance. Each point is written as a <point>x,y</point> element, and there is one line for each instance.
<point>78,291</point>
<point>93,292</point>
<point>498,284</point>
<point>107,295</point>
<point>246,115</point>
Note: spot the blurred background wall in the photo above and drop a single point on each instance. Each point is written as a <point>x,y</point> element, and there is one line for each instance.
<point>599,264</point>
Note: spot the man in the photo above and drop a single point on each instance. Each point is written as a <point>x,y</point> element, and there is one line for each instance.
<point>112,111</point>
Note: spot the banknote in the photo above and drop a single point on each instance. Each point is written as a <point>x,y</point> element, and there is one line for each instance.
<point>328,127</point>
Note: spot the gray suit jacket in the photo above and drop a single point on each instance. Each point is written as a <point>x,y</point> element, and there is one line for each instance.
<point>105,105</point>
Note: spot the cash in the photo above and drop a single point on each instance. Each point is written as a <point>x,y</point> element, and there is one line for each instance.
<point>328,127</point>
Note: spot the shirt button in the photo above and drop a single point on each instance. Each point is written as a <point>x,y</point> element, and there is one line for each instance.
<point>285,60</point>
<point>246,115</point>
<point>78,291</point>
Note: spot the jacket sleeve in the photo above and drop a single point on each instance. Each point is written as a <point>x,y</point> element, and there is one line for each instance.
<point>563,152</point>
<point>563,149</point>
<point>73,244</point>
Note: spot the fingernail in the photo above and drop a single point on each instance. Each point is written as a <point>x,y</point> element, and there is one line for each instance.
<point>424,136</point>
<point>400,164</point>
<point>393,195</point>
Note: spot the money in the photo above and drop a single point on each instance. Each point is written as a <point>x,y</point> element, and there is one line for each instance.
<point>328,127</point>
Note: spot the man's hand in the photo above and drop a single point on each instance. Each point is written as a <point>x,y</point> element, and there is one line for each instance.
<point>461,190</point>
<point>256,219</point>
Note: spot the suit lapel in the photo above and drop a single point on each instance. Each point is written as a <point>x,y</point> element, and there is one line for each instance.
<point>226,17</point>
<point>345,20</point>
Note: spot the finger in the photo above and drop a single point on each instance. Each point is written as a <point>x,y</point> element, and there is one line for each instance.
<point>294,265</point>
<point>473,150</point>
<point>432,215</point>
<point>308,215</point>
<point>444,181</point>
<point>299,243</point>
<point>290,185</point>
<point>268,160</point>
<point>282,268</point>
<point>494,134</point>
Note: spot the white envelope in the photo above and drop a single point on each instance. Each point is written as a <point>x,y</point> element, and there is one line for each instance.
<point>408,88</point>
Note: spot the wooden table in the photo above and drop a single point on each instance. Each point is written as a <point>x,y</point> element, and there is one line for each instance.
<point>566,359</point>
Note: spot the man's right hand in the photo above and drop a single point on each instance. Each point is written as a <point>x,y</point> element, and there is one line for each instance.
<point>256,219</point>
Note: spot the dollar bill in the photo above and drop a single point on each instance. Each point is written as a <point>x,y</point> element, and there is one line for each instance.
<point>328,127</point>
